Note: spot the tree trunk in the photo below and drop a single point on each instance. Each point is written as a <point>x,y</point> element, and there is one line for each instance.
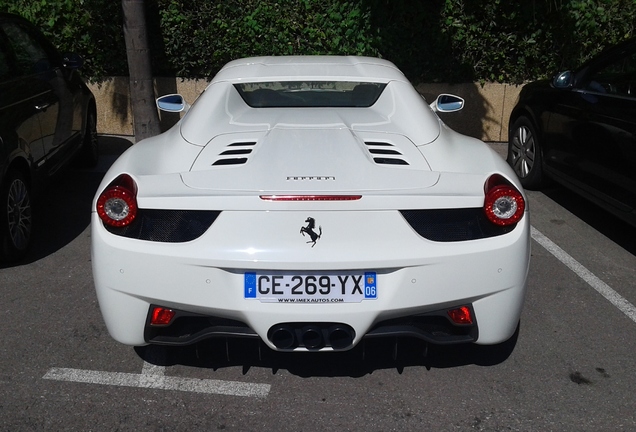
<point>142,95</point>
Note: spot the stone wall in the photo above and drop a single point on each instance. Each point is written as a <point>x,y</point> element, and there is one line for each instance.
<point>484,116</point>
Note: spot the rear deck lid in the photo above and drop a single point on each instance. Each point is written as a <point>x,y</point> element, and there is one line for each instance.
<point>292,159</point>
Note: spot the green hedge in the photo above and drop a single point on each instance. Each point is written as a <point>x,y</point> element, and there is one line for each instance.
<point>219,31</point>
<point>92,28</point>
<point>430,40</point>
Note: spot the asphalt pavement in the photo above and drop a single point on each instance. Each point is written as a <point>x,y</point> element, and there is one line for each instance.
<point>570,368</point>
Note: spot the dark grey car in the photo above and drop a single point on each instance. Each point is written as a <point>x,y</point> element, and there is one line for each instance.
<point>47,118</point>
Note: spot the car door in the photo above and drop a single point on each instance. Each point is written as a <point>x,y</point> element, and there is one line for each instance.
<point>54,100</point>
<point>608,133</point>
<point>20,132</point>
<point>592,132</point>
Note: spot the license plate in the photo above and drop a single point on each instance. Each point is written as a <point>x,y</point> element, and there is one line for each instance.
<point>311,288</point>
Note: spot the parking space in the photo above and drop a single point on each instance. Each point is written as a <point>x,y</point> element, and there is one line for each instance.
<point>571,367</point>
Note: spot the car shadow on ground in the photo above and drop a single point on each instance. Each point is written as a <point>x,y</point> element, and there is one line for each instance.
<point>615,229</point>
<point>612,227</point>
<point>62,209</point>
<point>368,356</point>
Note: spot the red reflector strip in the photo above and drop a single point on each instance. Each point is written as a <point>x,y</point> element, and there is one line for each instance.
<point>461,315</point>
<point>161,316</point>
<point>310,197</point>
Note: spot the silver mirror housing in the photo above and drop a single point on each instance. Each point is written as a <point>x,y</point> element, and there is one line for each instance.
<point>172,103</point>
<point>447,103</point>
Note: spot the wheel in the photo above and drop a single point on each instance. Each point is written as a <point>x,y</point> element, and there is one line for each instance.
<point>89,154</point>
<point>16,217</point>
<point>524,153</point>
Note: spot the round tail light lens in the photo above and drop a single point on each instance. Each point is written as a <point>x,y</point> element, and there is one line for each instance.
<point>504,205</point>
<point>117,205</point>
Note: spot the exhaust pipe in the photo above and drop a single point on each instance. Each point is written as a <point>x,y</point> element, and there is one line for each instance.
<point>341,336</point>
<point>283,337</point>
<point>312,337</point>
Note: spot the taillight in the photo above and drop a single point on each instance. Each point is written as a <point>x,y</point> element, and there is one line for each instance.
<point>504,205</point>
<point>117,205</point>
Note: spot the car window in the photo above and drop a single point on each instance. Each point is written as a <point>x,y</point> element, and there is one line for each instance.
<point>31,57</point>
<point>286,94</point>
<point>617,78</point>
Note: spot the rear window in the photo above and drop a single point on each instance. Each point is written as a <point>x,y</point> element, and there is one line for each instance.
<point>292,94</point>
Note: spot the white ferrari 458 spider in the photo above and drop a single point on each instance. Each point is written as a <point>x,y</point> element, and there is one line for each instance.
<point>310,202</point>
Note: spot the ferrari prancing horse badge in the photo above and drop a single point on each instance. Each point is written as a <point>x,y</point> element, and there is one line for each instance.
<point>309,230</point>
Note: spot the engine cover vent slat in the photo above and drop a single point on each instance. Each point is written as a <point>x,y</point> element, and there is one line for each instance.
<point>241,144</point>
<point>390,161</point>
<point>385,152</point>
<point>236,152</point>
<point>378,144</point>
<point>232,161</point>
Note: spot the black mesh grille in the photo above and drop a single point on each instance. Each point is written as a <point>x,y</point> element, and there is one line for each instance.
<point>168,226</point>
<point>449,225</point>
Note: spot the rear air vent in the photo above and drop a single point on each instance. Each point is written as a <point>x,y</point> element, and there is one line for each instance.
<point>384,153</point>
<point>235,154</point>
<point>230,161</point>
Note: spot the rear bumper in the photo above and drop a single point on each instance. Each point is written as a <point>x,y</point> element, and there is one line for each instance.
<point>415,278</point>
<point>188,328</point>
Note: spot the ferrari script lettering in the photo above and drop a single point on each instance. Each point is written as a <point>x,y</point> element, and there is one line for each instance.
<point>319,178</point>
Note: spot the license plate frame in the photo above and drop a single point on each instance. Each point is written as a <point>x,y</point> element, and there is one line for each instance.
<point>311,288</point>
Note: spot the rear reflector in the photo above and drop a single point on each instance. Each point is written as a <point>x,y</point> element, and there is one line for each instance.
<point>161,316</point>
<point>310,197</point>
<point>461,315</point>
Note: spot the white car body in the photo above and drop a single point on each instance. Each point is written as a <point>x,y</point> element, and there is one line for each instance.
<point>289,166</point>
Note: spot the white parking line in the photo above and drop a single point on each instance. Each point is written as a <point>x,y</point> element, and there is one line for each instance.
<point>154,377</point>
<point>601,287</point>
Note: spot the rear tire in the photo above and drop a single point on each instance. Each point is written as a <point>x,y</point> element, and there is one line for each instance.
<point>524,153</point>
<point>16,217</point>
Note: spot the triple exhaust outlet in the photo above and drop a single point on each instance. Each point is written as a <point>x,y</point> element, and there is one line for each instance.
<point>311,336</point>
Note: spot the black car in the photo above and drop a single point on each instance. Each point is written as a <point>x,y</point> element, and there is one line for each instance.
<point>580,130</point>
<point>47,118</point>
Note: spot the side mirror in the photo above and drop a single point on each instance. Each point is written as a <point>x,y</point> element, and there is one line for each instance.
<point>173,103</point>
<point>564,80</point>
<point>72,61</point>
<point>447,103</point>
